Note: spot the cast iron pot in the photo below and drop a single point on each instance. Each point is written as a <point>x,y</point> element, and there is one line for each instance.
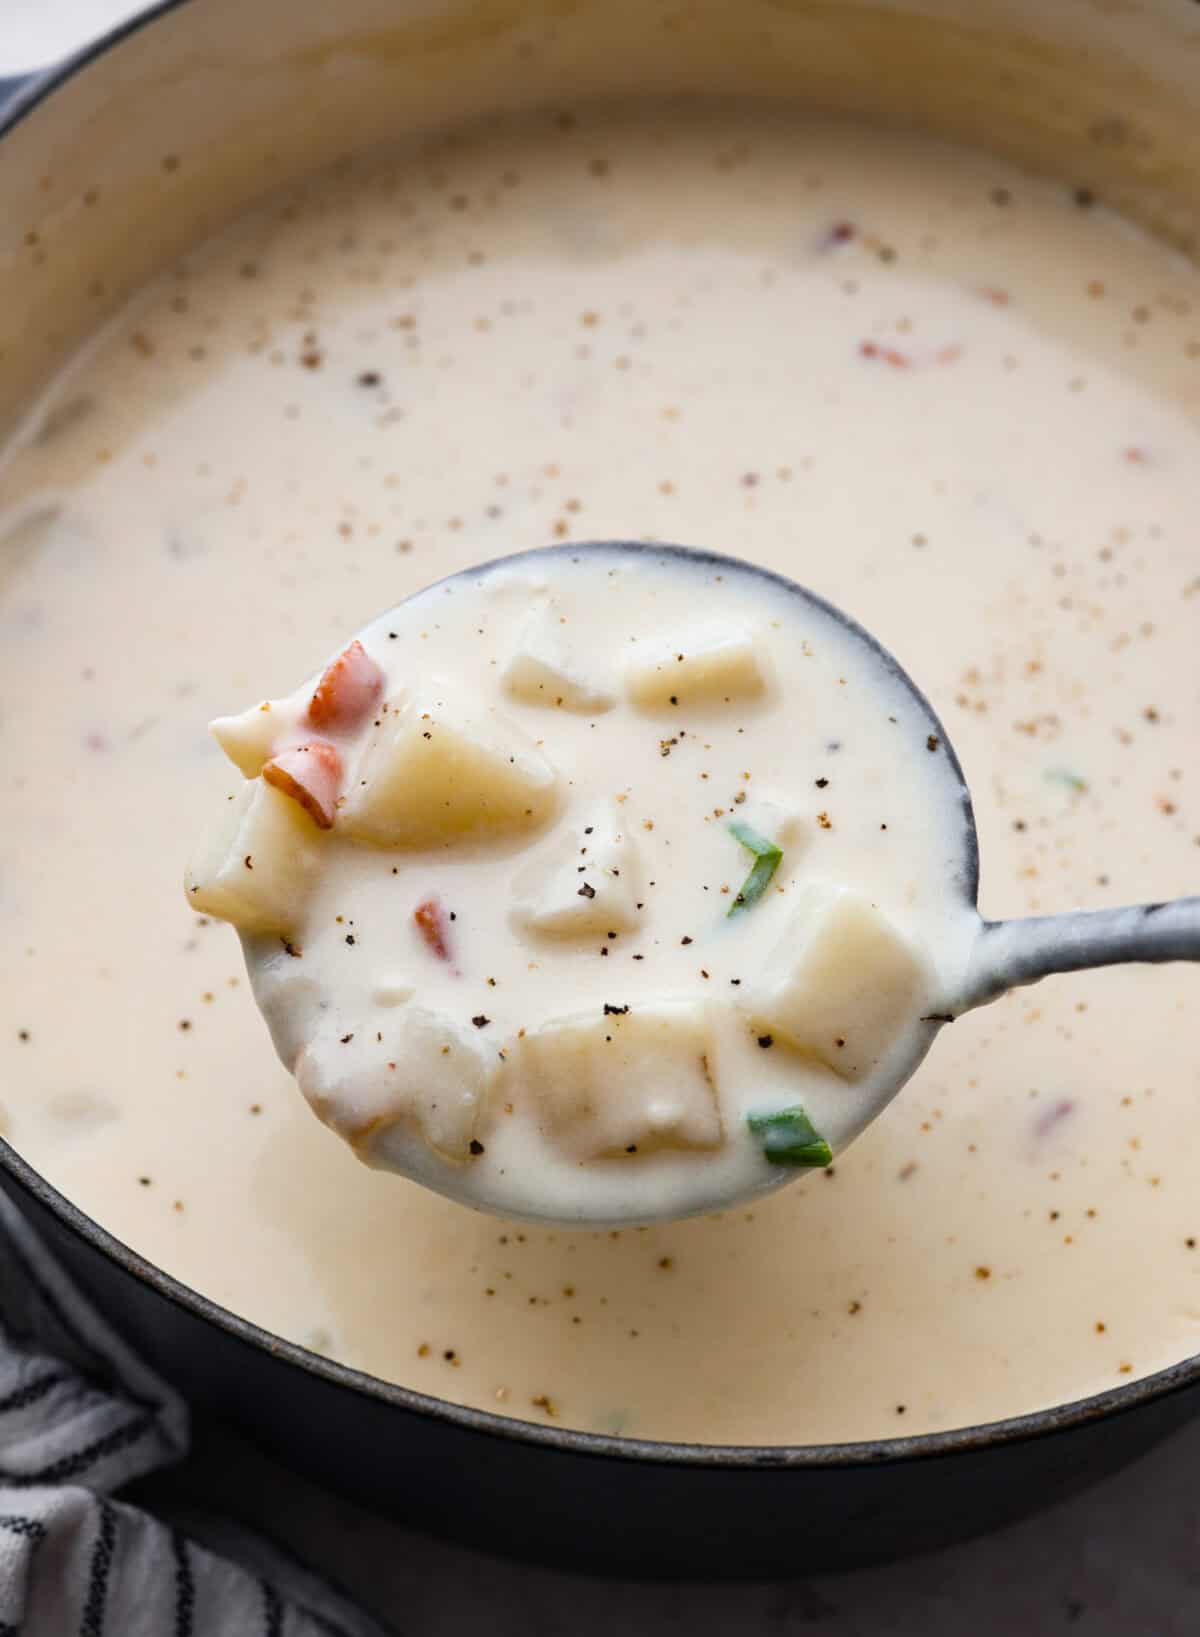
<point>185,116</point>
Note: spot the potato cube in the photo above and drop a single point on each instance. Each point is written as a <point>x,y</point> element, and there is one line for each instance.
<point>712,666</point>
<point>426,1081</point>
<point>290,998</point>
<point>432,773</point>
<point>256,867</point>
<point>613,1085</point>
<point>584,883</point>
<point>249,738</point>
<point>843,984</point>
<point>543,671</point>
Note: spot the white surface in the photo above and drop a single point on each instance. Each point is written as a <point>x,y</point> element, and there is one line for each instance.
<point>1121,1561</point>
<point>34,33</point>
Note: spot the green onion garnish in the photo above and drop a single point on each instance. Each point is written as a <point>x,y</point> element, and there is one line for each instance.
<point>789,1137</point>
<point>1063,775</point>
<point>766,861</point>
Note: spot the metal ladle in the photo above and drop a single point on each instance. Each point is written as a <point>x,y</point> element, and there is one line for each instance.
<point>1000,955</point>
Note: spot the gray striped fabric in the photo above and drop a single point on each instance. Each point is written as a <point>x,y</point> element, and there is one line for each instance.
<point>80,1416</point>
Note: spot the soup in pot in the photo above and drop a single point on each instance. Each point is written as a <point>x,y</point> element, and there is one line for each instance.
<point>956,401</point>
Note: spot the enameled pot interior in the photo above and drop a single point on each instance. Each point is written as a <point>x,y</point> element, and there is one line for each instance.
<point>152,140</point>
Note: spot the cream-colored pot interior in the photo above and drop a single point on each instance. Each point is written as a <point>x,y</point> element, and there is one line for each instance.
<point>1050,473</point>
<point>192,118</point>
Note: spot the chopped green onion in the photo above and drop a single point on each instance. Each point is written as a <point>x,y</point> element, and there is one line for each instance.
<point>766,861</point>
<point>789,1138</point>
<point>1063,775</point>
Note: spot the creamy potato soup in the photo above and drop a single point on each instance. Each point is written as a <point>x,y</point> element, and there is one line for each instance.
<point>535,874</point>
<point>956,401</point>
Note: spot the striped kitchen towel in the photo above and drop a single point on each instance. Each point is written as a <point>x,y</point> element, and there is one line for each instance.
<point>81,1416</point>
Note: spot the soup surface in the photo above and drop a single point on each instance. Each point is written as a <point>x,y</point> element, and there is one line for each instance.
<point>957,402</point>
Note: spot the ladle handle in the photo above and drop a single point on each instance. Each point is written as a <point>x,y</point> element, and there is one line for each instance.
<point>1011,953</point>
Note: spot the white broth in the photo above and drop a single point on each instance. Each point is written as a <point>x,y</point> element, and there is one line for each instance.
<point>957,402</point>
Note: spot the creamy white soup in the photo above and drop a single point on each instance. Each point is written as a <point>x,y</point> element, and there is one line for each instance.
<point>956,401</point>
<point>543,898</point>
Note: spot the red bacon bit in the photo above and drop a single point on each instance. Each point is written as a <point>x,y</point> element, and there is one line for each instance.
<point>1054,1117</point>
<point>1135,456</point>
<point>895,359</point>
<point>348,691</point>
<point>310,774</point>
<point>889,355</point>
<point>997,297</point>
<point>433,927</point>
<point>840,233</point>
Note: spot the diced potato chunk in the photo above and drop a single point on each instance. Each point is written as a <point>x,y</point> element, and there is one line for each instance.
<point>432,773</point>
<point>290,998</point>
<point>256,866</point>
<point>543,671</point>
<point>248,739</point>
<point>584,883</point>
<point>615,1086</point>
<point>428,1081</point>
<point>842,984</point>
<point>714,666</point>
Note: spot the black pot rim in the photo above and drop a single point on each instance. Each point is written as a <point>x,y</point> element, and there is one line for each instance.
<point>871,1452</point>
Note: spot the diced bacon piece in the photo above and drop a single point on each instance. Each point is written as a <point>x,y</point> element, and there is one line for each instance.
<point>895,359</point>
<point>838,234</point>
<point>312,775</point>
<point>348,691</point>
<point>1054,1116</point>
<point>433,927</point>
<point>889,355</point>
